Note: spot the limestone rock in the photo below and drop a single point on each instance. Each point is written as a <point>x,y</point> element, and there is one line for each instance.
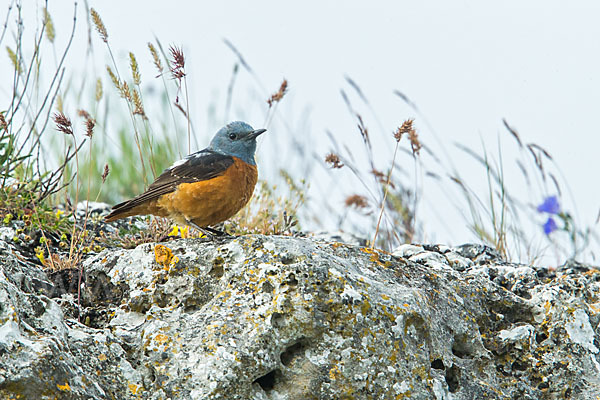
<point>271,317</point>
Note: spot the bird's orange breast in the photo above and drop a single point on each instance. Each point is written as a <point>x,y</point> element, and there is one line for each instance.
<point>211,201</point>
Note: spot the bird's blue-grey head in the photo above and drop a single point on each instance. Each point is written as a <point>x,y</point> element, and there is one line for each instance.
<point>236,139</point>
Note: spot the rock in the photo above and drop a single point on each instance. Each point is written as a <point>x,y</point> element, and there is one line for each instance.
<point>339,237</point>
<point>272,317</point>
<point>92,209</point>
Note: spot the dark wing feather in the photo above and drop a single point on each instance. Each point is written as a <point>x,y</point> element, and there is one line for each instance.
<point>201,166</point>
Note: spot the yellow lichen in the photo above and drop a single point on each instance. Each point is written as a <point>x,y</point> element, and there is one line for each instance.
<point>133,388</point>
<point>163,255</point>
<point>161,338</point>
<point>334,373</point>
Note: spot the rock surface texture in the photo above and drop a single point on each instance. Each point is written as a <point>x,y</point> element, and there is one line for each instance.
<point>259,317</point>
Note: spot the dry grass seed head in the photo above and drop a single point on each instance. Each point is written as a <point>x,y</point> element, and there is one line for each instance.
<point>99,91</point>
<point>364,132</point>
<point>90,123</point>
<point>50,33</point>
<point>333,160</point>
<point>406,127</point>
<point>135,70</point>
<point>379,175</point>
<point>155,58</point>
<point>137,102</point>
<point>125,92</point>
<point>14,59</point>
<point>356,200</point>
<point>63,123</point>
<point>277,96</point>
<point>99,25</point>
<point>113,78</point>
<point>513,132</point>
<point>412,136</point>
<point>382,178</point>
<point>178,60</point>
<point>105,173</point>
<point>179,107</point>
<point>3,123</point>
<point>83,114</point>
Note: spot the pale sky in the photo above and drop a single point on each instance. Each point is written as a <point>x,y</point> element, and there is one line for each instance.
<point>465,64</point>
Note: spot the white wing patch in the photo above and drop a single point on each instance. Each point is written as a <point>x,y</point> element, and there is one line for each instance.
<point>178,163</point>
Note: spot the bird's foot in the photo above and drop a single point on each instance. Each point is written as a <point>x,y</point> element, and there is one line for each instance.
<point>210,233</point>
<point>214,232</point>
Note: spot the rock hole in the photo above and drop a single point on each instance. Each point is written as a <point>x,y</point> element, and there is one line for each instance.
<point>453,378</point>
<point>267,287</point>
<point>216,271</point>
<point>65,281</point>
<point>99,290</point>
<point>540,337</point>
<point>292,352</point>
<point>267,381</point>
<point>287,259</point>
<point>437,364</point>
<point>277,320</point>
<point>152,373</point>
<point>461,347</point>
<point>517,366</point>
<point>292,281</point>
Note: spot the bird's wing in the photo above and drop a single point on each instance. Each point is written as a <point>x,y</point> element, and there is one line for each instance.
<point>200,166</point>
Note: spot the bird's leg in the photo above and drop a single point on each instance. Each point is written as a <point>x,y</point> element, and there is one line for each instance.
<point>216,232</point>
<point>210,233</point>
<point>206,233</point>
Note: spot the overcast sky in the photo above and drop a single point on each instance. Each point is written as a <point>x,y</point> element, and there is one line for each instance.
<point>465,64</point>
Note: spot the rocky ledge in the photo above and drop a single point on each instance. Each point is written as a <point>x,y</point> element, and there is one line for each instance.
<point>270,317</point>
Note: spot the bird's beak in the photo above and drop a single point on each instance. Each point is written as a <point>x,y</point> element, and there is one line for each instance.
<point>254,134</point>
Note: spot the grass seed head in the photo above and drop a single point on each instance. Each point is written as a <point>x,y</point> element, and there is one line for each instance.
<point>135,69</point>
<point>178,61</point>
<point>14,59</point>
<point>105,173</point>
<point>125,92</point>
<point>50,32</point>
<point>277,96</point>
<point>90,123</point>
<point>357,201</point>
<point>99,25</point>
<point>113,78</point>
<point>333,160</point>
<point>99,91</point>
<point>137,102</point>
<point>3,123</point>
<point>83,114</point>
<point>408,128</point>
<point>63,123</point>
<point>156,58</point>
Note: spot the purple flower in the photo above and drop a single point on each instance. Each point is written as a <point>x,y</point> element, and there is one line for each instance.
<point>550,206</point>
<point>550,226</point>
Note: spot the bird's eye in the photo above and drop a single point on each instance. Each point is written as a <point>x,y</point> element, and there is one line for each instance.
<point>232,136</point>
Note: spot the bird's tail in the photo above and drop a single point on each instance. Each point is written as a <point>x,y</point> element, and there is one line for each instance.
<point>121,210</point>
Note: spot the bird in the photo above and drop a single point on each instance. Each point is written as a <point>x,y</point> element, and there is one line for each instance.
<point>204,188</point>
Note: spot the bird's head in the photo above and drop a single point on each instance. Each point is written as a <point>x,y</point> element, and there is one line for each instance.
<point>236,139</point>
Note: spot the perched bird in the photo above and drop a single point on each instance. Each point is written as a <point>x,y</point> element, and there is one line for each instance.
<point>206,187</point>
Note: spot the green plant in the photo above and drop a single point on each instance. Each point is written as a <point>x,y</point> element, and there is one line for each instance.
<point>271,212</point>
